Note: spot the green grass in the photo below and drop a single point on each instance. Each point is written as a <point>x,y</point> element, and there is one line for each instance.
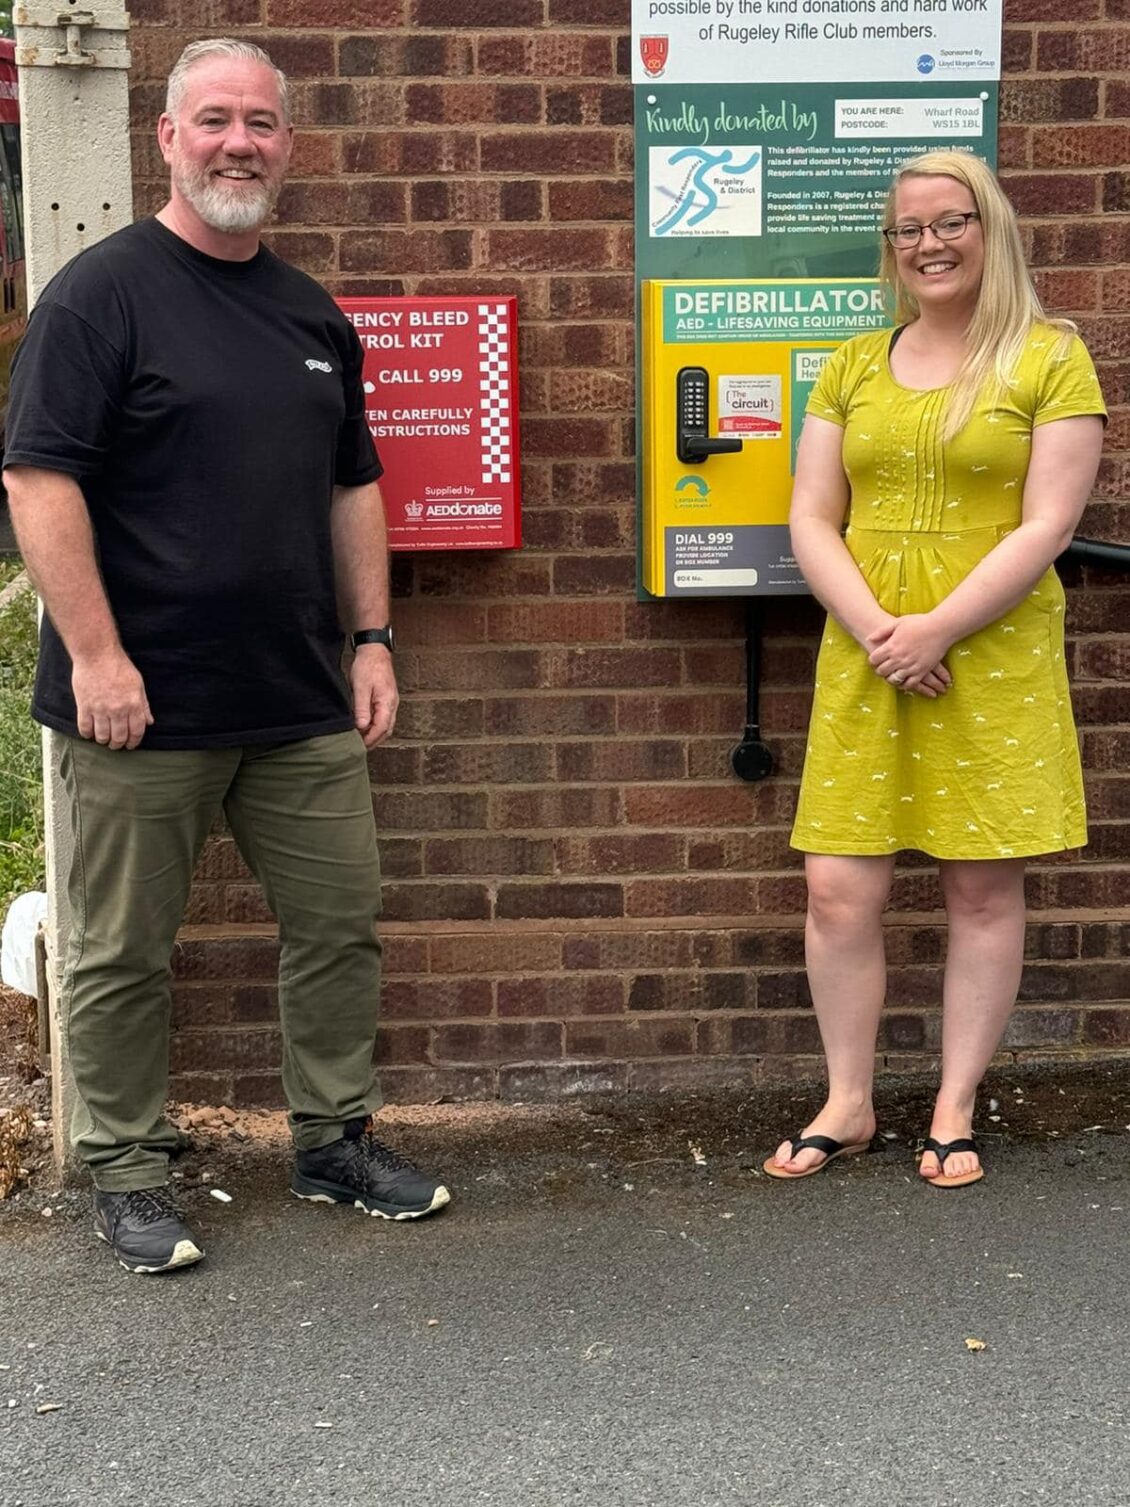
<point>21,769</point>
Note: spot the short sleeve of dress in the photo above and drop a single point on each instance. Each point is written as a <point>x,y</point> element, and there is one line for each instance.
<point>1068,385</point>
<point>829,395</point>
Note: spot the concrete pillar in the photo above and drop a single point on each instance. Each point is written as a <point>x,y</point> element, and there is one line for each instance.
<point>74,111</point>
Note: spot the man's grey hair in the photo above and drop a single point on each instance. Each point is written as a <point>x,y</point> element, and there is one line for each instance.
<point>218,47</point>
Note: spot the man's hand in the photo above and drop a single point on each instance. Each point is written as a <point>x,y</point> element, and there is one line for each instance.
<point>908,654</point>
<point>375,697</point>
<point>110,701</point>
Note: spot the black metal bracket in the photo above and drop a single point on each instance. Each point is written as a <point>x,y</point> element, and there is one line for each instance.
<point>751,759</point>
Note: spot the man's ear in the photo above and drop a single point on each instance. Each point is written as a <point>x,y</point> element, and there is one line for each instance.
<point>166,130</point>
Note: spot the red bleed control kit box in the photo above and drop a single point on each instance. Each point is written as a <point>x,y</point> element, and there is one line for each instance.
<point>441,401</point>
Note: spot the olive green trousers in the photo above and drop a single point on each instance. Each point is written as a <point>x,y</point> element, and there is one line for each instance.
<point>302,816</point>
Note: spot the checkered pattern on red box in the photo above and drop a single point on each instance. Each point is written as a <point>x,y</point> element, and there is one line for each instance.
<point>494,392</point>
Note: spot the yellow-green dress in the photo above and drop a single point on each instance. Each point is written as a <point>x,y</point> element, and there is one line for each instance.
<point>991,768</point>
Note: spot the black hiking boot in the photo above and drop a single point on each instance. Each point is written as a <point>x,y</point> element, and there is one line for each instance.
<point>359,1170</point>
<point>145,1230</point>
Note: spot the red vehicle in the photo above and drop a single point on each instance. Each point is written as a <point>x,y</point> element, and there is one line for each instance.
<point>13,281</point>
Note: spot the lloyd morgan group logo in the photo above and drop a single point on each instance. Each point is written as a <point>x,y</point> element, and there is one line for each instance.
<point>653,52</point>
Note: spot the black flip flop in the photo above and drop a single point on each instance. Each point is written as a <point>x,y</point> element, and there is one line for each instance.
<point>943,1149</point>
<point>831,1149</point>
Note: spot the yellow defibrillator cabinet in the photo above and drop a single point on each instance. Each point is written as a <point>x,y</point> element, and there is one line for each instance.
<point>727,369</point>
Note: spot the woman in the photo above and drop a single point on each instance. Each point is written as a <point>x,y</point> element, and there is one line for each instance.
<point>961,449</point>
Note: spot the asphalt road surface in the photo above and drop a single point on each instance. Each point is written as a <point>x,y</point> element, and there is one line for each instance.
<point>597,1320</point>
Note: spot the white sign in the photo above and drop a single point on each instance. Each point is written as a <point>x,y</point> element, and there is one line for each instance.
<point>750,406</point>
<point>814,41</point>
<point>867,119</point>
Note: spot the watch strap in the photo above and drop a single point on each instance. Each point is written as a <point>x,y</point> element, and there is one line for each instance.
<point>372,636</point>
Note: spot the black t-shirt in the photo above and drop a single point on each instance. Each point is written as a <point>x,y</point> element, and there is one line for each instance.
<point>206,409</point>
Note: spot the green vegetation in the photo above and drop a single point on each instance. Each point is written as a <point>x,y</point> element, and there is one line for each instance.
<point>21,770</point>
<point>6,27</point>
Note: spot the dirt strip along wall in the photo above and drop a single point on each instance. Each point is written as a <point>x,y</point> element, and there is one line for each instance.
<point>579,892</point>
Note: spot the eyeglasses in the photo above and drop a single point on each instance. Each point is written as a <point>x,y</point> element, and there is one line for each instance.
<point>948,228</point>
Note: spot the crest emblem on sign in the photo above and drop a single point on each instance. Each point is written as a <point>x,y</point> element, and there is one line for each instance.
<point>653,51</point>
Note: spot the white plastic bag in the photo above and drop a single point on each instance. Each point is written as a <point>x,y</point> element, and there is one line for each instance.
<point>17,941</point>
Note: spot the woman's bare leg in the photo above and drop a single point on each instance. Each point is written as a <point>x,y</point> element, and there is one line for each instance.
<point>984,957</point>
<point>847,976</point>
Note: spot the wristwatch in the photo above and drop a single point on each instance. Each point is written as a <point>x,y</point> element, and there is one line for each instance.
<point>372,636</point>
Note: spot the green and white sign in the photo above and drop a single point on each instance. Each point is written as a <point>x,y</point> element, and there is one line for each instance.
<point>768,131</point>
<point>785,180</point>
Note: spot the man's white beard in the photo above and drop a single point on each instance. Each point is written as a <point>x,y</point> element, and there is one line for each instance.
<point>230,210</point>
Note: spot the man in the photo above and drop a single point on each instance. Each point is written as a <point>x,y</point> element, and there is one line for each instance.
<point>195,494</point>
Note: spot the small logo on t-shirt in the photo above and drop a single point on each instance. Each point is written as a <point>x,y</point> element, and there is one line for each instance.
<point>319,366</point>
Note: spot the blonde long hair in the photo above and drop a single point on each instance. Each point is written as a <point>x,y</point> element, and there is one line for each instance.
<point>1007,303</point>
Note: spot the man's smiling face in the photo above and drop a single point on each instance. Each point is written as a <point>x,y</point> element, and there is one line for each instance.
<point>229,144</point>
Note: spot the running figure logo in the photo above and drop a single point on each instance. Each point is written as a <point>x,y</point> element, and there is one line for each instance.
<point>704,191</point>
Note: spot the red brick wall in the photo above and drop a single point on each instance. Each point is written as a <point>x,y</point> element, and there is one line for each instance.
<point>579,891</point>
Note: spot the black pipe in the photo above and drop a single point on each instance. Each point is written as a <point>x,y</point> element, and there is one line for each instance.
<point>1097,552</point>
<point>751,760</point>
